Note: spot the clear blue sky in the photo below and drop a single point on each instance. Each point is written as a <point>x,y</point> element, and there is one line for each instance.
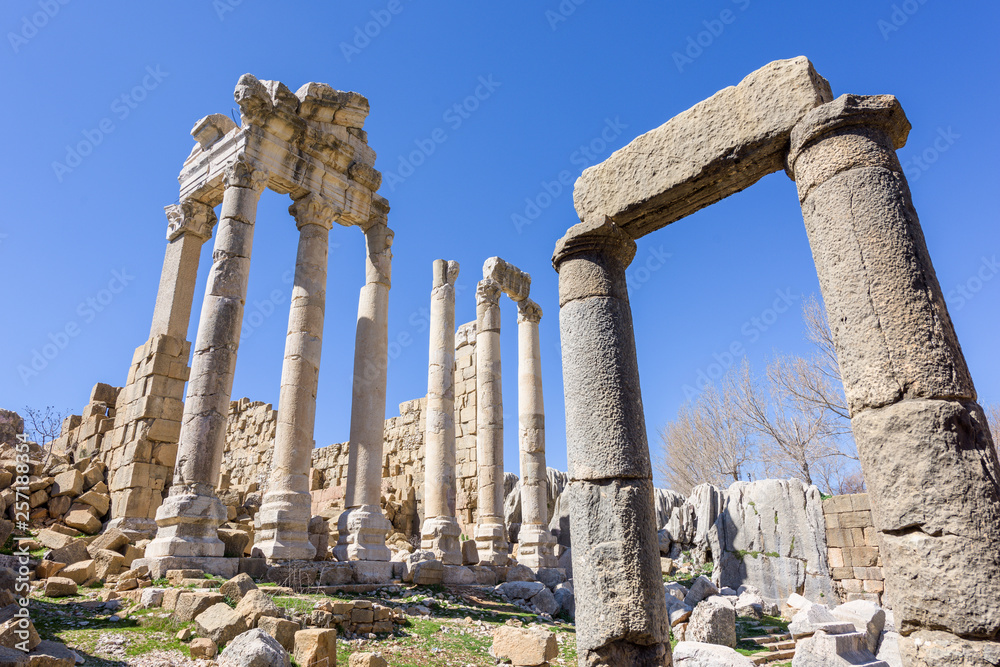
<point>565,90</point>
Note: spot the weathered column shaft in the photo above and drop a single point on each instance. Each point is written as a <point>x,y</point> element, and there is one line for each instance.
<point>929,462</point>
<point>490,533</point>
<point>189,517</point>
<point>440,530</point>
<point>190,225</point>
<point>362,526</point>
<point>621,609</point>
<point>287,506</point>
<point>535,542</point>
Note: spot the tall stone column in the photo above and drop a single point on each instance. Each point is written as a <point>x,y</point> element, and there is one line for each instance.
<point>440,531</point>
<point>490,533</point>
<point>287,506</point>
<point>142,447</point>
<point>189,517</point>
<point>621,614</point>
<point>362,526</point>
<point>535,542</point>
<point>929,461</point>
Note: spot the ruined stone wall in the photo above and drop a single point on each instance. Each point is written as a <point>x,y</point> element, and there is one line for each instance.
<point>466,480</point>
<point>246,459</point>
<point>855,561</point>
<point>82,436</point>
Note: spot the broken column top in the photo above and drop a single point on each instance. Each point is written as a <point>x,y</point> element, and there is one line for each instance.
<point>714,149</point>
<point>514,282</point>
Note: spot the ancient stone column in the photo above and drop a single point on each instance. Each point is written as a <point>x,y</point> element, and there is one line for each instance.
<point>440,531</point>
<point>189,225</point>
<point>142,447</point>
<point>362,526</point>
<point>929,462</point>
<point>490,532</point>
<point>621,614</point>
<point>535,542</point>
<point>287,506</point>
<point>189,517</point>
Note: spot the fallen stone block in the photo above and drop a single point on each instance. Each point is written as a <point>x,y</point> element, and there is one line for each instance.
<point>202,648</point>
<point>220,623</point>
<point>713,623</point>
<point>58,587</point>
<point>315,648</point>
<point>238,586</point>
<point>695,654</point>
<point>525,646</point>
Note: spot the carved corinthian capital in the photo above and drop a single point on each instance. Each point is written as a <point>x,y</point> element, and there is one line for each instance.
<point>488,292</point>
<point>528,311</point>
<point>314,210</point>
<point>190,217</point>
<point>245,173</point>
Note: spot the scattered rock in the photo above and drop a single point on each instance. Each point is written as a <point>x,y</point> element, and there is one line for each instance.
<point>203,648</point>
<point>713,623</point>
<point>255,648</point>
<point>695,654</point>
<point>238,586</point>
<point>220,623</point>
<point>57,587</point>
<point>315,648</point>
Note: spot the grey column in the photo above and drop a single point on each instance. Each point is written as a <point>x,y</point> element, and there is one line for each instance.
<point>490,532</point>
<point>929,461</point>
<point>620,604</point>
<point>440,530</point>
<point>362,526</point>
<point>287,506</point>
<point>535,542</point>
<point>188,520</point>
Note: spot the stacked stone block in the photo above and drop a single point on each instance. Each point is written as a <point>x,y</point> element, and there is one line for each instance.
<point>853,551</point>
<point>82,435</point>
<point>466,479</point>
<point>141,449</point>
<point>246,458</point>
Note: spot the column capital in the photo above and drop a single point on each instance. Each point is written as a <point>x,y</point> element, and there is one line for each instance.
<point>877,112</point>
<point>488,293</point>
<point>190,217</point>
<point>313,209</point>
<point>244,172</point>
<point>528,311</point>
<point>588,238</point>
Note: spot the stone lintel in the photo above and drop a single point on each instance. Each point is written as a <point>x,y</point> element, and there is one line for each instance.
<point>716,148</point>
<point>514,282</point>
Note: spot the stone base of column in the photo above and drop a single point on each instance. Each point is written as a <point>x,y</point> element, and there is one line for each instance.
<point>188,527</point>
<point>440,534</point>
<point>158,567</point>
<point>284,526</point>
<point>627,653</point>
<point>134,528</point>
<point>362,534</point>
<point>491,542</point>
<point>536,547</point>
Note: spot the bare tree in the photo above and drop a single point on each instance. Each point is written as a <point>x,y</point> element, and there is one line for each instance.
<point>42,427</point>
<point>706,443</point>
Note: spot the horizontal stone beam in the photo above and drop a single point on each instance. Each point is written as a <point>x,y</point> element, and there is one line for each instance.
<point>714,149</point>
